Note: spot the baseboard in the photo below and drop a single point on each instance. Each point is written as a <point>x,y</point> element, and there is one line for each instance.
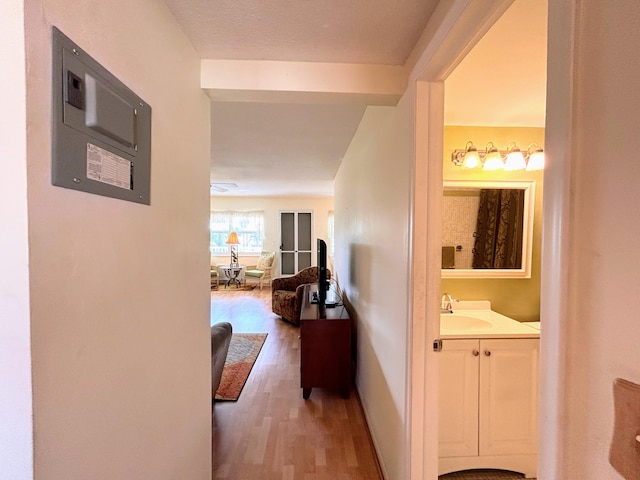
<point>379,466</point>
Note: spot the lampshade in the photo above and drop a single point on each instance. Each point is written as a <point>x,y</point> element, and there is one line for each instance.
<point>471,157</point>
<point>493,160</point>
<point>536,158</point>
<point>233,239</point>
<point>515,160</point>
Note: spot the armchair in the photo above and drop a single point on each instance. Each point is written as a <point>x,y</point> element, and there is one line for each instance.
<point>263,269</point>
<point>286,297</point>
<point>215,278</point>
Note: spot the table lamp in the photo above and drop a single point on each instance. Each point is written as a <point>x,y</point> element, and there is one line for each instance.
<point>231,241</point>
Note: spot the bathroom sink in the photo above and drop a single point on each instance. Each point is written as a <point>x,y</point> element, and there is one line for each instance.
<point>453,321</point>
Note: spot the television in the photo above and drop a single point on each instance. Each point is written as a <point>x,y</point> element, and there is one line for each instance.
<point>323,284</point>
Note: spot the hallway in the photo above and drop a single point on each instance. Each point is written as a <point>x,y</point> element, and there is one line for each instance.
<point>271,432</point>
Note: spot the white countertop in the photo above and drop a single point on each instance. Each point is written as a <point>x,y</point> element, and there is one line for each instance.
<point>475,319</point>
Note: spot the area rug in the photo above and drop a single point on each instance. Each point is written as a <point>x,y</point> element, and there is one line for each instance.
<point>232,288</point>
<point>243,352</point>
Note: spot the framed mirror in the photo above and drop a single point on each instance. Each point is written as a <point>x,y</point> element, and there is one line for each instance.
<point>487,229</point>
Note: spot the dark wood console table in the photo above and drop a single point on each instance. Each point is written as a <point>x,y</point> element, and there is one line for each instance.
<point>325,347</point>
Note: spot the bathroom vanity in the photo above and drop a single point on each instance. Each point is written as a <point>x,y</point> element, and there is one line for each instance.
<point>488,391</point>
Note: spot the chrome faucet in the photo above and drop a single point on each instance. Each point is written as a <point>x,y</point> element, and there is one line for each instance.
<point>446,305</point>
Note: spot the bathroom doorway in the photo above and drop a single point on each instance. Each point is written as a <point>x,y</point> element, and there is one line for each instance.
<point>432,152</point>
<point>488,118</point>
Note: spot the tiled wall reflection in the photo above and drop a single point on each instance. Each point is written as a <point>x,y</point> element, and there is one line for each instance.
<point>459,218</point>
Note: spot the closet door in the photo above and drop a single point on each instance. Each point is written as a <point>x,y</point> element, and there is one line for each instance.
<point>296,250</point>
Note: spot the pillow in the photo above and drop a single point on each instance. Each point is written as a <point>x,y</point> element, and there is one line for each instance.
<point>265,261</point>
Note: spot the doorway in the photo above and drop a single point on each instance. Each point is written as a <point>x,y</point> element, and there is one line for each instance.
<point>427,215</point>
<point>296,233</point>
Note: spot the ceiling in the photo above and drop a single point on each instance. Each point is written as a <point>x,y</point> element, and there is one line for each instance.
<point>269,149</point>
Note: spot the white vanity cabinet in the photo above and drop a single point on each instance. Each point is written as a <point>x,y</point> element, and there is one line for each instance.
<point>488,404</point>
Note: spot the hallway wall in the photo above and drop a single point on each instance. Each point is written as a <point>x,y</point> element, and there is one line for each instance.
<point>372,225</point>
<point>120,291</point>
<point>16,429</point>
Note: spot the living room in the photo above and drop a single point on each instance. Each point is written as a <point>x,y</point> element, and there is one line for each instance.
<point>269,209</point>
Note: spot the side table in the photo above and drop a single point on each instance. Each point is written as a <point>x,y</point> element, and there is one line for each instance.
<point>233,274</point>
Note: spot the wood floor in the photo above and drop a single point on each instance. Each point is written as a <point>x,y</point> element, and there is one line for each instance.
<point>271,432</point>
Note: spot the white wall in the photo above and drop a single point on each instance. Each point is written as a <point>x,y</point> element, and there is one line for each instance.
<point>372,224</point>
<point>16,437</point>
<point>272,206</point>
<point>601,327</point>
<point>119,291</point>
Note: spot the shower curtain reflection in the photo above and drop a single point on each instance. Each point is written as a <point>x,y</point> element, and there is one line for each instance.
<point>499,229</point>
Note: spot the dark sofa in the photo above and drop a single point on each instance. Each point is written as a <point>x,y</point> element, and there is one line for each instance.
<point>220,339</point>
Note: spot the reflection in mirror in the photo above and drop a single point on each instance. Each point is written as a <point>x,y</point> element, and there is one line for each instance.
<point>487,229</point>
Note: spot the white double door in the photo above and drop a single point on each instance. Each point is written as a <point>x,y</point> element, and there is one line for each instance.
<point>296,245</point>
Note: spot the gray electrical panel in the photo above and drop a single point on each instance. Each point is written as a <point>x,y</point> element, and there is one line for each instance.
<point>101,129</point>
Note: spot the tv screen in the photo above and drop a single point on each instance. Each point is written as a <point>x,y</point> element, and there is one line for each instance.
<point>322,271</point>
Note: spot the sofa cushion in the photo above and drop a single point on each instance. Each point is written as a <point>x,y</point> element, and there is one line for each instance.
<point>254,273</point>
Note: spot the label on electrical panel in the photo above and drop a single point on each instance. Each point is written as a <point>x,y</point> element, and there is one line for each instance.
<point>107,167</point>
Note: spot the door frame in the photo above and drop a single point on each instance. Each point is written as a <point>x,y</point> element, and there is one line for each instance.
<point>460,24</point>
<point>464,23</point>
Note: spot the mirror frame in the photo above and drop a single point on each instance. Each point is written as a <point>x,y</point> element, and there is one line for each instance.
<point>527,229</point>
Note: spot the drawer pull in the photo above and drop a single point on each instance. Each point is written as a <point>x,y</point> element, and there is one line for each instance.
<point>487,353</point>
<point>475,353</point>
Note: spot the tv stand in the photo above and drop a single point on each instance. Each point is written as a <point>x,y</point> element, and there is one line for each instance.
<point>325,346</point>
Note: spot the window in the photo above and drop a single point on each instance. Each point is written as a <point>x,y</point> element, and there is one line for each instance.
<point>331,232</point>
<point>248,225</point>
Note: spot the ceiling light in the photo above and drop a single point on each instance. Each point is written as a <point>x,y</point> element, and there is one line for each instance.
<point>222,186</point>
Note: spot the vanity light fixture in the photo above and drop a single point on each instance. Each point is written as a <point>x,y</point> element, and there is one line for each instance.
<point>511,159</point>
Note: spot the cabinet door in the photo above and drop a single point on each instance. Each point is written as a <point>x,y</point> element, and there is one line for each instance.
<point>458,405</point>
<point>508,396</point>
<point>325,354</point>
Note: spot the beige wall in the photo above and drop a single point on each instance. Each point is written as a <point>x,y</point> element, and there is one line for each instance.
<point>372,192</point>
<point>119,291</point>
<point>600,329</point>
<point>16,432</point>
<point>272,206</point>
<point>516,298</point>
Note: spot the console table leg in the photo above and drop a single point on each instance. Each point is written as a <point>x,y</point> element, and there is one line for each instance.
<point>306,392</point>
